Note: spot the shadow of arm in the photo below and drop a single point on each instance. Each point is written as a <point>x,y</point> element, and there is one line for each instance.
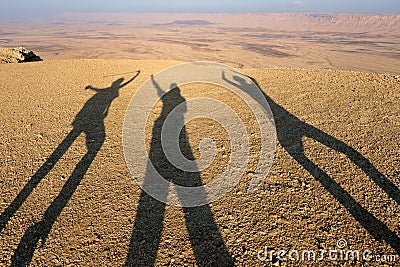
<point>133,78</point>
<point>157,86</point>
<point>89,87</point>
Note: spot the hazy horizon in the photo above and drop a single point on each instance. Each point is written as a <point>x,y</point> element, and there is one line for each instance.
<point>25,10</point>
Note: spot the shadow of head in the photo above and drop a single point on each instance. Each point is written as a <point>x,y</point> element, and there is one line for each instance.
<point>174,93</point>
<point>240,80</point>
<point>173,86</point>
<point>116,85</point>
<point>113,90</point>
<point>172,99</point>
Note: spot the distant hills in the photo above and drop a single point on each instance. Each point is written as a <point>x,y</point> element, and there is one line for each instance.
<point>195,22</point>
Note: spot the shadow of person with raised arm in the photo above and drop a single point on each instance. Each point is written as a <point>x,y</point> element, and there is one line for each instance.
<point>90,121</point>
<point>205,238</point>
<point>291,130</point>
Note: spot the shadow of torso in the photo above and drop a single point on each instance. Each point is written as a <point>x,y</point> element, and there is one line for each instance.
<point>157,156</point>
<point>90,119</point>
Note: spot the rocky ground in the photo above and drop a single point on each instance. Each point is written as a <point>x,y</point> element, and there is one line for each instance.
<point>17,55</point>
<point>335,175</point>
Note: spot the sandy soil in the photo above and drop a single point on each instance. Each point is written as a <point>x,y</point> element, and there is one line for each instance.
<point>335,176</point>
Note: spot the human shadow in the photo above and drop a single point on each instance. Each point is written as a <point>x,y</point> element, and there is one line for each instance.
<point>204,235</point>
<point>90,121</point>
<point>291,130</point>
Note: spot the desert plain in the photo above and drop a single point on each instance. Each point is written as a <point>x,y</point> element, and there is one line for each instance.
<point>332,82</point>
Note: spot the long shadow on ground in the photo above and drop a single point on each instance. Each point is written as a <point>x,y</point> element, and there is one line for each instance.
<point>291,130</point>
<point>90,121</point>
<point>204,235</point>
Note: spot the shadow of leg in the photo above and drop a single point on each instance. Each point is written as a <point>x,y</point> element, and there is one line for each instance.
<point>358,159</point>
<point>39,232</point>
<point>205,237</point>
<point>37,177</point>
<point>290,132</point>
<point>147,231</point>
<point>375,227</point>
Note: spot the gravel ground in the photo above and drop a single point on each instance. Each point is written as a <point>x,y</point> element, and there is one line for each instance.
<point>68,199</point>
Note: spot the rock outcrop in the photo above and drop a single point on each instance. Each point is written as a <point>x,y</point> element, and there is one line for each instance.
<point>17,55</point>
